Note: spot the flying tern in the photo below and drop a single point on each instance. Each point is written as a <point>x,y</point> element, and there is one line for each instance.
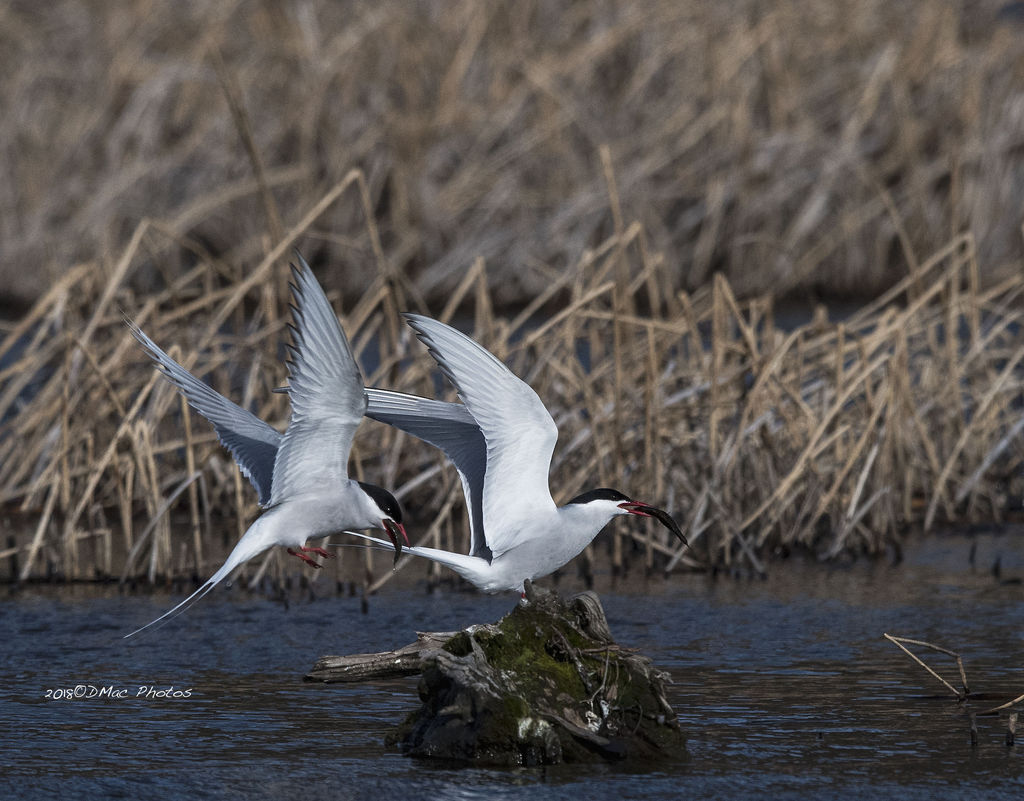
<point>500,440</point>
<point>301,476</point>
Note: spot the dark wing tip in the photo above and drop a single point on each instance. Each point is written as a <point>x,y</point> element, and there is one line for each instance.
<point>415,322</point>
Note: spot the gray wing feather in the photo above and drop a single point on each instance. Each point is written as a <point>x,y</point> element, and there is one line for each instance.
<point>252,442</point>
<point>517,428</point>
<point>451,428</point>
<point>325,388</point>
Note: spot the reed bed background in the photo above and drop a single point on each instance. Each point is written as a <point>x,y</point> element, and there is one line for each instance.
<point>819,147</point>
<point>613,197</point>
<point>829,438</point>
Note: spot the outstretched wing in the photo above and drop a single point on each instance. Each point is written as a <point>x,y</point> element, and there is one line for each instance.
<point>326,392</point>
<point>518,430</point>
<point>252,442</point>
<point>450,427</point>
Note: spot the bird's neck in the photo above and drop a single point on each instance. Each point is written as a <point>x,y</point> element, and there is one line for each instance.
<point>578,524</point>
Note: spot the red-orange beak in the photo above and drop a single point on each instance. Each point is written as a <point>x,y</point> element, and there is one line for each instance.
<point>394,530</point>
<point>636,508</point>
<point>663,517</point>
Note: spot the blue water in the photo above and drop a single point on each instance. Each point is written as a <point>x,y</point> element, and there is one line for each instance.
<point>784,687</point>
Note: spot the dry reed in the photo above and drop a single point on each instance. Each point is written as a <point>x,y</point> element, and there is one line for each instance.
<point>594,148</point>
<point>830,437</point>
<point>964,696</point>
<point>821,146</point>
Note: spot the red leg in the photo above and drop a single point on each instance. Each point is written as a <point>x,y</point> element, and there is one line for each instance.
<point>318,552</point>
<point>304,558</point>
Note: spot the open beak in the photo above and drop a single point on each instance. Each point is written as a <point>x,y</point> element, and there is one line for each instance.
<point>663,517</point>
<point>396,533</point>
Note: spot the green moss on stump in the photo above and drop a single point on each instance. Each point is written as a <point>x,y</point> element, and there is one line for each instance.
<point>546,684</point>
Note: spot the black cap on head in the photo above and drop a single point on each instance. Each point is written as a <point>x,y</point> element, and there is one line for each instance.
<point>601,494</point>
<point>385,500</point>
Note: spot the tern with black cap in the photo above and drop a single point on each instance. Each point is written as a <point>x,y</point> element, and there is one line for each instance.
<point>302,475</point>
<point>500,439</point>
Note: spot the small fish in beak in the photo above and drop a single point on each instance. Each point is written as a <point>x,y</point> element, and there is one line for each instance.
<point>394,530</point>
<point>663,517</point>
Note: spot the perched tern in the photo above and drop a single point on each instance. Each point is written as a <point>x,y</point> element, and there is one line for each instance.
<point>302,475</point>
<point>500,440</point>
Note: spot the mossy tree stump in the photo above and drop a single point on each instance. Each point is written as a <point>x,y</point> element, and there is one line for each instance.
<point>546,684</point>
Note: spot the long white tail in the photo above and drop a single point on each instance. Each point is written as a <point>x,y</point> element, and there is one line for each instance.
<point>471,568</point>
<point>243,552</point>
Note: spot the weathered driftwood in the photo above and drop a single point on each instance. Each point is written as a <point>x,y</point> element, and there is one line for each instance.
<point>545,684</point>
<point>405,661</point>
